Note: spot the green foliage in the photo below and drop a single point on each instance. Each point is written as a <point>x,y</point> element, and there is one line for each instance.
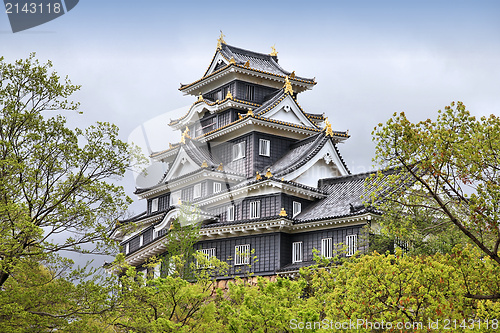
<point>446,190</point>
<point>54,181</point>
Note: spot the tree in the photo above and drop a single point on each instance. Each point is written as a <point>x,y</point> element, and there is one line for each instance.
<point>55,182</point>
<point>453,166</point>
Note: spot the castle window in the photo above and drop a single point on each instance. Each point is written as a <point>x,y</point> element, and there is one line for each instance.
<point>127,248</point>
<point>264,147</point>
<point>242,254</point>
<point>141,240</point>
<point>239,150</point>
<point>351,242</point>
<point>254,209</point>
<point>296,252</point>
<point>326,247</point>
<point>154,205</point>
<point>217,187</point>
<point>230,213</point>
<point>297,208</point>
<point>175,197</point>
<point>249,92</point>
<point>197,191</point>
<point>209,253</point>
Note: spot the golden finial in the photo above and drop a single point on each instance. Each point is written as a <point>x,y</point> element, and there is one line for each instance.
<point>347,132</point>
<point>185,135</point>
<point>229,95</point>
<point>283,212</point>
<point>288,86</point>
<point>247,64</point>
<point>220,167</point>
<point>183,138</point>
<point>179,201</point>
<point>240,116</point>
<point>282,179</point>
<point>200,97</point>
<point>258,176</point>
<point>250,112</point>
<point>220,41</point>
<point>232,61</point>
<point>171,226</point>
<point>292,75</point>
<point>273,53</point>
<point>268,173</point>
<point>204,164</point>
<point>170,145</point>
<point>328,128</point>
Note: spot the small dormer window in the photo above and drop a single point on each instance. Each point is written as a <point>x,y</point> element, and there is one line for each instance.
<point>297,208</point>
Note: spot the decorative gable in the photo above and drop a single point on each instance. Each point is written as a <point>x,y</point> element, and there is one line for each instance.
<point>182,165</point>
<point>218,62</point>
<point>288,111</point>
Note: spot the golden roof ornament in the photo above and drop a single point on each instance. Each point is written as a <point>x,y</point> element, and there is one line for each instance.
<point>288,86</point>
<point>240,116</point>
<point>328,127</point>
<point>250,112</point>
<point>220,167</point>
<point>204,164</point>
<point>220,40</point>
<point>200,97</point>
<point>268,173</point>
<point>247,64</point>
<point>292,75</point>
<point>273,53</point>
<point>185,135</point>
<point>283,212</point>
<point>179,201</point>
<point>229,95</point>
<point>258,176</point>
<point>232,61</point>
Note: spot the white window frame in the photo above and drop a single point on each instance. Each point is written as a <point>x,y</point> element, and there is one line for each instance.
<point>239,150</point>
<point>174,197</point>
<point>209,253</point>
<point>297,252</point>
<point>242,254</point>
<point>196,191</point>
<point>127,247</point>
<point>154,205</point>
<point>264,147</point>
<point>141,240</point>
<point>297,208</point>
<point>254,209</point>
<point>156,271</point>
<point>351,242</point>
<point>326,247</point>
<point>217,187</point>
<point>230,213</point>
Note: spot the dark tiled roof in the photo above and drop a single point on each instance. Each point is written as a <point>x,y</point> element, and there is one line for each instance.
<point>259,61</point>
<point>345,197</point>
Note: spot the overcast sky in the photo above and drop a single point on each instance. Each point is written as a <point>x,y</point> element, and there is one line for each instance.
<point>370,59</point>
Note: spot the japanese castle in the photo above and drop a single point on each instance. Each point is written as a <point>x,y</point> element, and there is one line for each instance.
<point>266,176</point>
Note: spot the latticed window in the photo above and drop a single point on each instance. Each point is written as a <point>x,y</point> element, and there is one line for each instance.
<point>296,252</point>
<point>254,209</point>
<point>154,205</point>
<point>242,254</point>
<point>239,150</point>
<point>264,147</point>
<point>351,242</point>
<point>197,191</point>
<point>297,208</point>
<point>208,253</point>
<point>249,92</point>
<point>217,187</point>
<point>230,213</point>
<point>326,247</point>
